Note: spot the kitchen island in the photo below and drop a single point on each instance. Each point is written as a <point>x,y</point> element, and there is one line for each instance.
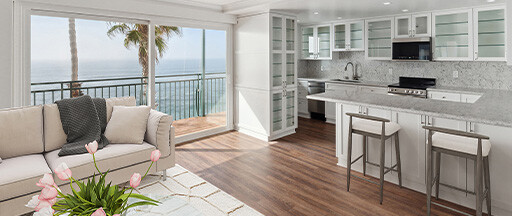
<point>488,113</point>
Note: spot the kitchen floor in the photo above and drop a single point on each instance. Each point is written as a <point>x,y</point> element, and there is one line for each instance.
<point>295,175</point>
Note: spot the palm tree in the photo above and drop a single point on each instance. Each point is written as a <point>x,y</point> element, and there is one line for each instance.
<point>74,59</point>
<point>137,35</point>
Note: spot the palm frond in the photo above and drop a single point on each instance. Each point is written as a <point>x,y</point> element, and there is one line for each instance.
<point>117,28</point>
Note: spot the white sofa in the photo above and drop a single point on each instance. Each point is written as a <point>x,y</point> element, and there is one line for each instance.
<point>31,138</point>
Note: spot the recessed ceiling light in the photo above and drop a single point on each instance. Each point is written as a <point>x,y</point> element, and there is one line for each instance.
<point>298,20</point>
<point>387,3</point>
<point>405,10</point>
<point>491,1</point>
<point>339,17</point>
<point>315,13</point>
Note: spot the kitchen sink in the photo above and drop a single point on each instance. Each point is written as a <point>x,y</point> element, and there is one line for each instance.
<point>345,80</point>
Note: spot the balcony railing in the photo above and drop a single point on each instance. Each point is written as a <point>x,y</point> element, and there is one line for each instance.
<point>176,95</point>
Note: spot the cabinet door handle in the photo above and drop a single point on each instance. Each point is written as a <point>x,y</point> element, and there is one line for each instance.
<point>476,55</point>
<point>422,119</point>
<point>410,33</point>
<point>413,33</point>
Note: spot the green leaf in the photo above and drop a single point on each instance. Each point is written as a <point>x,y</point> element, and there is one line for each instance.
<point>142,197</point>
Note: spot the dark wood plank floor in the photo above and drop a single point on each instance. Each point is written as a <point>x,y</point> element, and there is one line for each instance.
<point>295,175</point>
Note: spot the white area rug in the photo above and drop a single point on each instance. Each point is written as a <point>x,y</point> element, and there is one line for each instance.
<point>191,191</point>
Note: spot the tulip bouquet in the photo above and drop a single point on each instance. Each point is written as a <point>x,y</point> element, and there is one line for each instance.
<point>95,198</point>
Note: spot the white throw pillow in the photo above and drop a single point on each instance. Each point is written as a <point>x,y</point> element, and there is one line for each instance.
<point>127,125</point>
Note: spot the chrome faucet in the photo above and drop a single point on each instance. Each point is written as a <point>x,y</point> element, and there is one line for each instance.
<point>354,73</point>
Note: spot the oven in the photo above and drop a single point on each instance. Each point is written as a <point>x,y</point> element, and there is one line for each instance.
<point>412,86</point>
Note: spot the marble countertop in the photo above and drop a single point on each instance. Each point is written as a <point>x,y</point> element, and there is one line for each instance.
<point>494,106</point>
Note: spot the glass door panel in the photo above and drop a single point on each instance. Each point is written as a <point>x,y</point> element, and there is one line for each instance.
<point>421,25</point>
<point>452,36</point>
<point>324,41</point>
<point>403,27</point>
<point>290,69</point>
<point>277,69</point>
<point>277,33</point>
<point>340,37</point>
<point>379,39</point>
<point>356,36</point>
<point>277,111</point>
<point>308,42</point>
<point>290,108</point>
<point>491,34</point>
<point>290,34</point>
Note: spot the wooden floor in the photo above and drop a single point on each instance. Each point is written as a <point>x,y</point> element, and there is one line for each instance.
<point>295,175</point>
<point>196,124</point>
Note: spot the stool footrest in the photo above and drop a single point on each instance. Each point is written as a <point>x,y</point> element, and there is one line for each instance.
<point>368,180</point>
<point>356,159</point>
<point>385,167</point>
<point>457,188</point>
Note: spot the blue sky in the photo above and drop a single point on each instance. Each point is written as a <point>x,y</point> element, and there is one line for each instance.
<point>50,42</point>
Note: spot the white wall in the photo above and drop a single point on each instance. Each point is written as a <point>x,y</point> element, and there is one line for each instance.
<point>157,11</point>
<point>5,53</point>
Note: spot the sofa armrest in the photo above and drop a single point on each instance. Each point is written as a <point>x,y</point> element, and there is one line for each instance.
<point>160,132</point>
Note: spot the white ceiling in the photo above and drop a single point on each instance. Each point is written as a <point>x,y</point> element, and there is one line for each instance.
<point>329,10</point>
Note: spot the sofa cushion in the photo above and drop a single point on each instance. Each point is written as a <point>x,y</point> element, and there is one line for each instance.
<point>21,131</point>
<point>120,101</point>
<point>54,136</point>
<point>113,156</point>
<point>19,175</point>
<point>127,124</point>
<point>158,131</point>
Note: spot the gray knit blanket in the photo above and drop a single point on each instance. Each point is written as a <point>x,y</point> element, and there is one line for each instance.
<point>84,120</point>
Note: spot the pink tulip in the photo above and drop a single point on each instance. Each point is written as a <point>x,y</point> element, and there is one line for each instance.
<point>135,180</point>
<point>99,212</point>
<point>155,155</point>
<point>92,147</point>
<point>63,172</point>
<point>42,204</point>
<point>48,192</point>
<point>33,202</point>
<point>47,180</point>
<point>46,211</point>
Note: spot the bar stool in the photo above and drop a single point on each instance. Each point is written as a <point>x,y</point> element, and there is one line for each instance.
<point>376,127</point>
<point>461,144</point>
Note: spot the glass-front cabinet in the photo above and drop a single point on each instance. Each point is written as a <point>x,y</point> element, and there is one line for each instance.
<point>490,34</point>
<point>284,111</point>
<point>379,33</point>
<point>317,42</point>
<point>453,35</point>
<point>415,25</point>
<point>349,36</point>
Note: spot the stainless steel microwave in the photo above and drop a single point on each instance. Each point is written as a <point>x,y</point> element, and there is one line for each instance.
<point>412,49</point>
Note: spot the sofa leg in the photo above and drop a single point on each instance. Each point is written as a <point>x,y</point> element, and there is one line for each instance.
<point>164,175</point>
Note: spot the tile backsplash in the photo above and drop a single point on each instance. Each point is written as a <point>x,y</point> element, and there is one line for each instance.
<point>487,75</point>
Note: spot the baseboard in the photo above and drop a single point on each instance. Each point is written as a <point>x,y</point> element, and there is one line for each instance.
<point>282,134</point>
<point>305,115</point>
<point>252,133</point>
<point>330,120</point>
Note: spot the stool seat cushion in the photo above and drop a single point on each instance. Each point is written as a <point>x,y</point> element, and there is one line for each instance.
<point>375,127</point>
<point>460,143</point>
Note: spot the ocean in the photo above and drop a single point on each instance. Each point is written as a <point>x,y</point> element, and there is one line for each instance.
<point>178,96</point>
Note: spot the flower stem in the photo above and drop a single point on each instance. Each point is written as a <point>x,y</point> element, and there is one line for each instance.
<point>147,171</point>
<point>94,159</point>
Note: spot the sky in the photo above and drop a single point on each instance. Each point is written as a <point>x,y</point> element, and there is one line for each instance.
<point>50,42</point>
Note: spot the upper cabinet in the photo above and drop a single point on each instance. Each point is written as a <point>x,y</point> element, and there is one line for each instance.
<point>317,42</point>
<point>415,25</point>
<point>283,52</point>
<point>349,36</point>
<point>378,40</point>
<point>453,35</point>
<point>490,34</point>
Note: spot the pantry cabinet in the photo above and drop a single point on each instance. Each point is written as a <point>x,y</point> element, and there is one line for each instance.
<point>415,25</point>
<point>349,36</point>
<point>317,42</point>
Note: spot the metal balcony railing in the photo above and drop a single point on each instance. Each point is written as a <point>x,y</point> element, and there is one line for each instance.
<point>176,95</point>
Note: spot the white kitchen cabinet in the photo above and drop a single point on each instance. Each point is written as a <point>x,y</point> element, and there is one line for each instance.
<point>445,96</point>
<point>453,35</point>
<point>378,38</point>
<point>266,75</point>
<point>415,25</point>
<point>373,89</point>
<point>490,34</point>
<point>317,42</point>
<point>469,98</point>
<point>349,36</point>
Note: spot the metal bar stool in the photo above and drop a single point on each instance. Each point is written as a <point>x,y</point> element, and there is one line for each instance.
<point>461,144</point>
<point>376,127</point>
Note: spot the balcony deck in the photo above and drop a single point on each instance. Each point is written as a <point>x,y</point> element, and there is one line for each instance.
<point>196,124</point>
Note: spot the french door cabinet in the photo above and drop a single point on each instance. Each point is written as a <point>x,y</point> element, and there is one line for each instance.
<point>349,36</point>
<point>317,42</point>
<point>415,25</point>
